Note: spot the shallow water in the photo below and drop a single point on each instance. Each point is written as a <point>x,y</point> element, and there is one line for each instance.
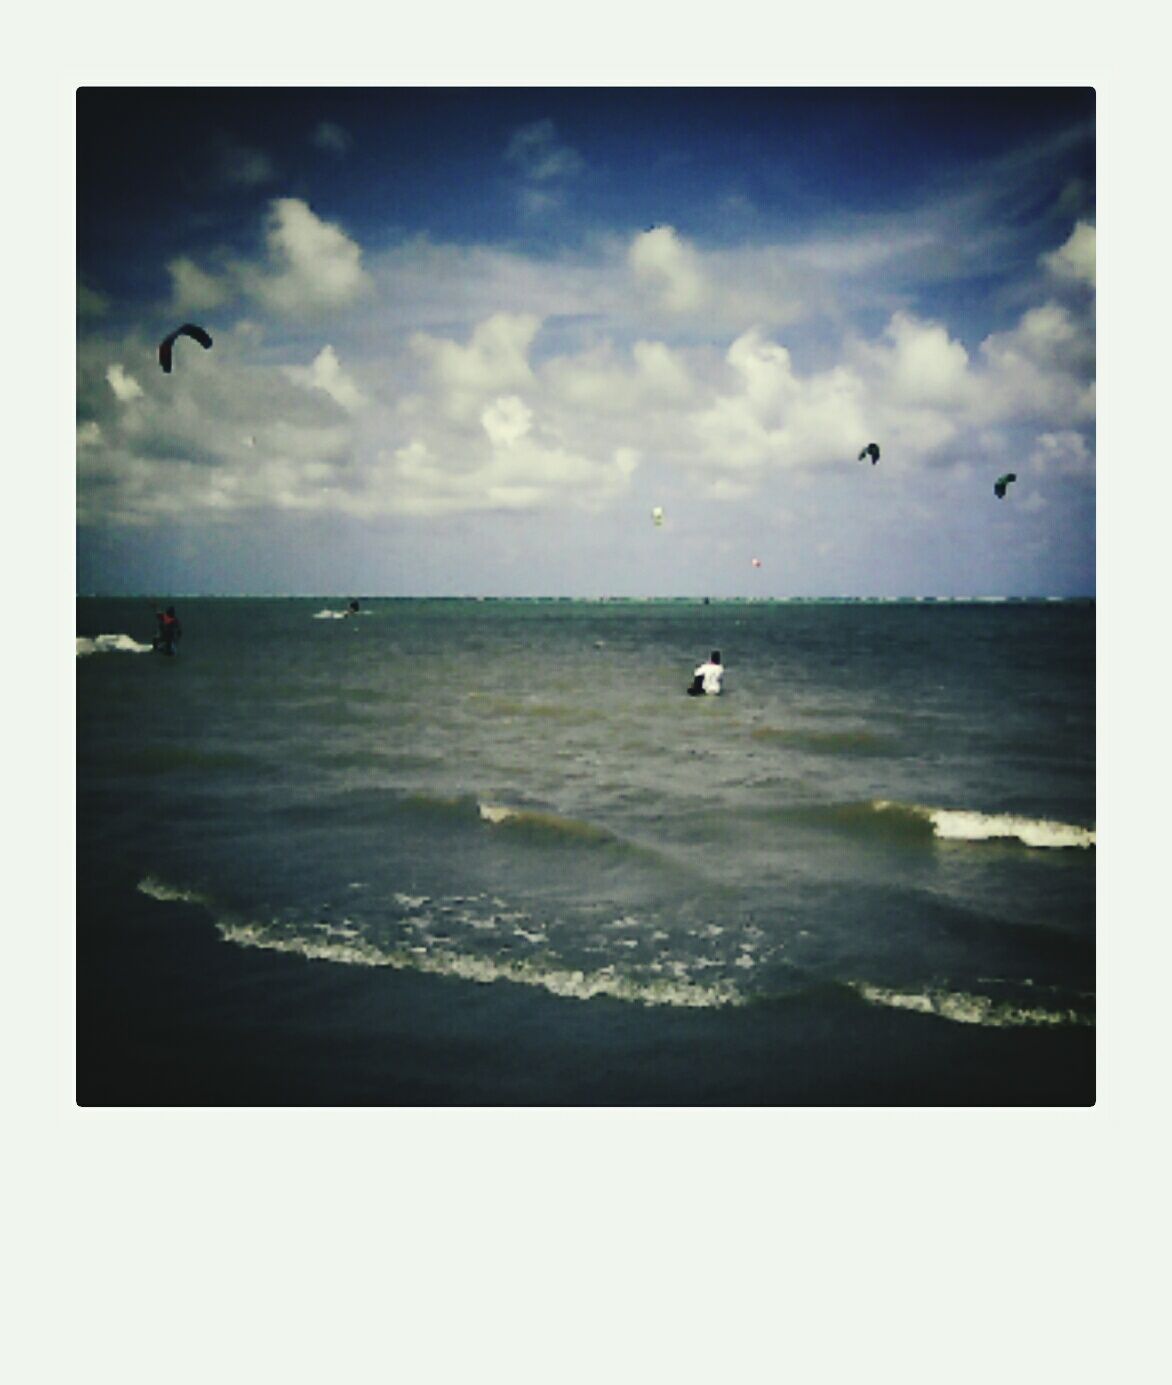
<point>892,800</point>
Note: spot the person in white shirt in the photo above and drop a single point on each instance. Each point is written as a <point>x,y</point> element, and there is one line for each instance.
<point>706,679</point>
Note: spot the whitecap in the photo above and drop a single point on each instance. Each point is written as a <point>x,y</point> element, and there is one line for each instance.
<point>157,889</point>
<point>963,1008</point>
<point>969,825</point>
<point>1037,832</point>
<point>110,644</point>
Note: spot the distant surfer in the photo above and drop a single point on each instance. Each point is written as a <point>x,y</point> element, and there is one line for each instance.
<point>351,610</point>
<point>168,633</point>
<point>706,679</point>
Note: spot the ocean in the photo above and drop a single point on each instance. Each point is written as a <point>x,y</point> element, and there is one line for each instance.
<point>487,852</point>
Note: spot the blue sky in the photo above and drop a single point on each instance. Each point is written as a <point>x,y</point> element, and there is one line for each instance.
<point>466,339</point>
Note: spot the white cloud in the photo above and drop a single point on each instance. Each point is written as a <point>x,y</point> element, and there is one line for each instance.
<point>519,470</point>
<point>670,267</point>
<point>663,372</point>
<point>914,389</point>
<point>495,359</point>
<point>506,420</point>
<point>1065,453</point>
<point>1076,258</point>
<point>581,383</point>
<point>919,364</point>
<point>326,373</point>
<point>653,286</point>
<point>313,264</point>
<point>777,418</point>
<point>125,386</point>
<point>194,290</point>
<point>1040,369</point>
<point>603,381</point>
<point>232,435</point>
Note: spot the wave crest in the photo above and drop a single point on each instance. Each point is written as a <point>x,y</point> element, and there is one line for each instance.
<point>963,1008</point>
<point>569,983</point>
<point>542,824</point>
<point>345,943</point>
<point>968,825</point>
<point>110,644</point>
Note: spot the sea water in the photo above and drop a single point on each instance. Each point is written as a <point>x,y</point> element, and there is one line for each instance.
<point>891,808</point>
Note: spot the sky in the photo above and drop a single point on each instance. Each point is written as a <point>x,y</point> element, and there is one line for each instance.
<point>467,339</point>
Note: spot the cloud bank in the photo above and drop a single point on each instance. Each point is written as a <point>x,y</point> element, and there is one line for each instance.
<point>428,379</point>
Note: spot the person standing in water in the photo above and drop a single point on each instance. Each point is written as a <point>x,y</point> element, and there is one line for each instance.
<point>169,631</point>
<point>707,678</point>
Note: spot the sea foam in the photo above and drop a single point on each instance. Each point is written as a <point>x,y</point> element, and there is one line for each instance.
<point>569,983</point>
<point>346,945</point>
<point>968,825</point>
<point>551,825</point>
<point>963,1008</point>
<point>170,894</point>
<point>110,644</point>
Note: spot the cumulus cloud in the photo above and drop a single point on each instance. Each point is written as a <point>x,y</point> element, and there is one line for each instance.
<point>518,468</point>
<point>506,420</point>
<point>125,386</point>
<point>1075,260</point>
<point>654,286</point>
<point>774,417</point>
<point>1040,369</point>
<point>193,289</point>
<point>229,436</point>
<point>313,264</point>
<point>915,388</point>
<point>430,399</point>
<point>670,267</point>
<point>326,374</point>
<point>538,153</point>
<point>651,376</point>
<point>1063,453</point>
<point>494,359</point>
<point>920,364</point>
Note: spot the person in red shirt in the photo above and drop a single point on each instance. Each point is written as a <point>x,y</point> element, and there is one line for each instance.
<point>169,631</point>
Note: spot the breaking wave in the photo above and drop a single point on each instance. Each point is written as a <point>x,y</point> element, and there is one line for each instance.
<point>347,944</point>
<point>170,894</point>
<point>967,825</point>
<point>963,1008</point>
<point>551,826</point>
<point>570,983</point>
<point>914,822</point>
<point>110,644</point>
